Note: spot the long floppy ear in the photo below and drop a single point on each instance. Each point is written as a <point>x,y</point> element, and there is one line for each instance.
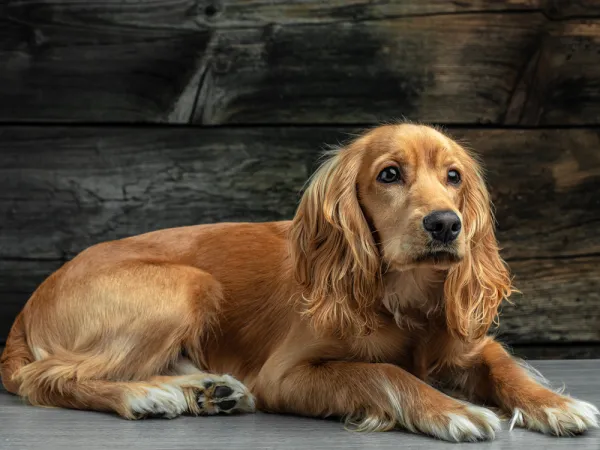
<point>475,288</point>
<point>333,251</point>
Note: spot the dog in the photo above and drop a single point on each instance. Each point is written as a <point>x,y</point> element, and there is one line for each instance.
<point>371,305</point>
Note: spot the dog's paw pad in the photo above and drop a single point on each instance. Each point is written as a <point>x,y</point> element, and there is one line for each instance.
<point>216,395</point>
<point>222,392</point>
<point>227,405</point>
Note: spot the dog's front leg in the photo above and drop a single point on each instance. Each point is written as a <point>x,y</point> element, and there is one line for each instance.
<point>373,397</point>
<point>500,379</point>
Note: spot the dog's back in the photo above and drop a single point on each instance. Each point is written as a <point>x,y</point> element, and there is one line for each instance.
<point>126,311</point>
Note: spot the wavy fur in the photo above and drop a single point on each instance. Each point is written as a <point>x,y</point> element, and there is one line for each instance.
<point>161,323</point>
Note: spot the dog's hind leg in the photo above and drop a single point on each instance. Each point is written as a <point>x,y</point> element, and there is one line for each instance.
<point>114,341</point>
<point>53,382</point>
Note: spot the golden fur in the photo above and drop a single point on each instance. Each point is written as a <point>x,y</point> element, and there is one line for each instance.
<point>348,310</point>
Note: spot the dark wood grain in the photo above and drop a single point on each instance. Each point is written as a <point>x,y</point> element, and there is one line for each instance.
<point>64,189</point>
<point>559,84</point>
<point>253,12</point>
<point>55,67</point>
<point>571,8</point>
<point>544,186</point>
<point>100,183</point>
<point>370,70</point>
<point>553,351</point>
<point>256,13</point>
<point>516,62</point>
<point>559,301</point>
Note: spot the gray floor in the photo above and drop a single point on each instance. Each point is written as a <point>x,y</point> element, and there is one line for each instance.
<point>23,427</point>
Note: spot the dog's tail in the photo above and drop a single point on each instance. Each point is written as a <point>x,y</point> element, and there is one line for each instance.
<point>16,355</point>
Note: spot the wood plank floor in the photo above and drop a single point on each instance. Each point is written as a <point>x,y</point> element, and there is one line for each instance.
<point>24,427</point>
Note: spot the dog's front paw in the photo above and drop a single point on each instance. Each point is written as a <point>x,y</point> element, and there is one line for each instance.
<point>465,424</point>
<point>434,414</point>
<point>197,394</point>
<point>556,415</point>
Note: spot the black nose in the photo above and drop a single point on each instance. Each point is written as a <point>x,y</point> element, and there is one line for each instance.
<point>444,226</point>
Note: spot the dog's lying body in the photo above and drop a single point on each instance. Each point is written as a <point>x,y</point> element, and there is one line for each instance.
<point>351,309</point>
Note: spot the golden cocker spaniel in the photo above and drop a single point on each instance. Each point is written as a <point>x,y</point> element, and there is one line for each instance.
<point>383,286</point>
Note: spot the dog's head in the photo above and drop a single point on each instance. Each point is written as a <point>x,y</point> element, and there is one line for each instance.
<point>397,198</point>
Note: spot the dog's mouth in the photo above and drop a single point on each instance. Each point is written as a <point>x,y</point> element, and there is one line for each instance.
<point>438,257</point>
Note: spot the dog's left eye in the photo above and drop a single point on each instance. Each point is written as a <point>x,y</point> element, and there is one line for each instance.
<point>453,177</point>
<point>389,175</point>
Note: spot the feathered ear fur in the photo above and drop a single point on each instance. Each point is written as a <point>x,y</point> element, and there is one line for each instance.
<point>475,288</point>
<point>334,254</point>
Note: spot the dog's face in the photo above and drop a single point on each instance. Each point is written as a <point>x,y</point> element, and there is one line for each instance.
<point>411,188</point>
<point>398,197</point>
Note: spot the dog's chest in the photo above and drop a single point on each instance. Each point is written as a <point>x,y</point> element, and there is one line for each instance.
<point>395,345</point>
<point>413,298</point>
<point>411,321</point>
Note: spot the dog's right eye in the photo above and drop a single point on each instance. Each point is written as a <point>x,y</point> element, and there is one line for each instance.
<point>389,175</point>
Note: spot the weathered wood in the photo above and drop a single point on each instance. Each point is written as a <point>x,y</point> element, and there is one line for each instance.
<point>571,8</point>
<point>560,85</point>
<point>98,183</point>
<point>266,62</point>
<point>556,352</point>
<point>260,12</point>
<point>369,71</point>
<point>254,13</point>
<point>559,302</point>
<point>64,189</point>
<point>103,72</point>
<point>544,186</point>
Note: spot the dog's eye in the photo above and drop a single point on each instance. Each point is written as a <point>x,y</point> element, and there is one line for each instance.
<point>389,175</point>
<point>453,177</point>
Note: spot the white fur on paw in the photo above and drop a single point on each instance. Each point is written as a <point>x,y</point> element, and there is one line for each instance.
<point>480,424</point>
<point>516,419</point>
<point>576,417</point>
<point>468,423</point>
<point>164,400</point>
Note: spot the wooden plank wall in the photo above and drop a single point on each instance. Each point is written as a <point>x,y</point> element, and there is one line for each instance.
<point>123,117</point>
